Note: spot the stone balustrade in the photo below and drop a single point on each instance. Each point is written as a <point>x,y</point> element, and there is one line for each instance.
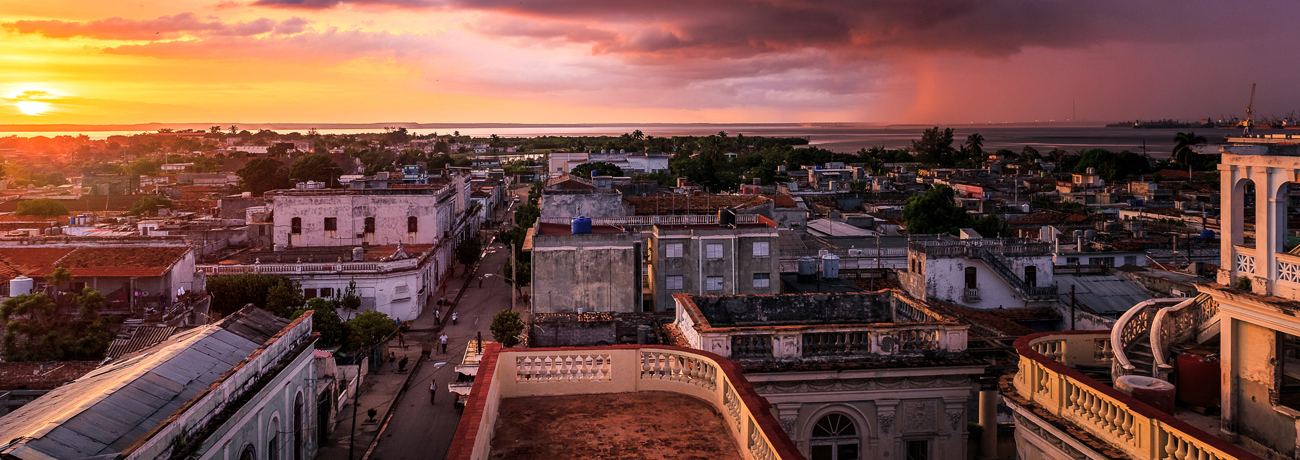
<point>1139,430</point>
<point>310,267</point>
<point>1177,324</point>
<point>506,373</point>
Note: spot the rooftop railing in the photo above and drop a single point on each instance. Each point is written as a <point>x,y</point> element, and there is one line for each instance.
<point>626,221</point>
<point>1046,379</point>
<point>309,268</point>
<point>532,372</point>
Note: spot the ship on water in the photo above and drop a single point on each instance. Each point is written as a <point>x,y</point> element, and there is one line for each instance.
<point>1153,124</point>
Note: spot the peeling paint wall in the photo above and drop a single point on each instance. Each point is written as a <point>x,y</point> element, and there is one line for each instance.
<point>1254,370</point>
<point>592,272</point>
<point>593,204</point>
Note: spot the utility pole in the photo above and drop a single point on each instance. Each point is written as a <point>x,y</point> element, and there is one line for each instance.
<point>513,279</point>
<point>1072,314</point>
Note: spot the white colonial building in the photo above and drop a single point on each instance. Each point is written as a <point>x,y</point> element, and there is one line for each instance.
<point>410,214</point>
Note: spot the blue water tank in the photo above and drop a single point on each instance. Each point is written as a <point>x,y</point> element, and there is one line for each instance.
<point>581,225</point>
<point>1207,234</point>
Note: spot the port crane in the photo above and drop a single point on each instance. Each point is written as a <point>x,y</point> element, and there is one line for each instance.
<point>1250,110</point>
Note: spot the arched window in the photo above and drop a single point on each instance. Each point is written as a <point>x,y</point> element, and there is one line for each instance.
<point>834,437</point>
<point>970,278</point>
<point>297,425</point>
<point>249,453</point>
<point>273,446</point>
<point>295,226</point>
<point>1031,275</point>
<point>370,225</point>
<point>412,224</point>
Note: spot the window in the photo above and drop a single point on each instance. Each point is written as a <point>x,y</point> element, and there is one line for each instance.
<point>297,427</point>
<point>295,226</point>
<point>971,282</point>
<point>673,282</point>
<point>1288,371</point>
<point>327,292</point>
<point>1031,275</point>
<point>713,251</point>
<point>1072,261</point>
<point>834,437</point>
<point>673,250</point>
<point>760,249</point>
<point>762,280</point>
<point>273,445</point>
<point>918,450</point>
<point>331,224</point>
<point>249,454</point>
<point>412,224</point>
<point>370,225</point>
<point>1130,260</point>
<point>309,293</point>
<point>713,283</point>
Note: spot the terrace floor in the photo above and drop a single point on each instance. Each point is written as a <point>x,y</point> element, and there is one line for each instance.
<point>642,425</point>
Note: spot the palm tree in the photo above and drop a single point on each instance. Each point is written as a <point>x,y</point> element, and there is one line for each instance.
<point>214,129</point>
<point>975,145</point>
<point>234,129</point>
<point>1183,153</point>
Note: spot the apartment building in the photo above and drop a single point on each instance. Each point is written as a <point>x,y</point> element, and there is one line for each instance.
<point>695,257</point>
<point>410,214</point>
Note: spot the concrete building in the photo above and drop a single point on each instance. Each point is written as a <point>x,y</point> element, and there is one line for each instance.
<point>240,388</point>
<point>599,271</point>
<point>397,280</point>
<point>697,257</point>
<point>135,274</point>
<point>410,214</point>
<point>872,375</point>
<point>981,273</point>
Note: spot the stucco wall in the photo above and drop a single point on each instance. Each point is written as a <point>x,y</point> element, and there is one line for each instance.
<point>1253,373</point>
<point>945,279</point>
<point>594,272</point>
<point>390,212</point>
<point>737,265</point>
<point>594,205</point>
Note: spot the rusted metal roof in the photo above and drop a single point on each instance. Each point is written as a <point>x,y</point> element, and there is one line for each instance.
<point>140,338</point>
<point>111,408</point>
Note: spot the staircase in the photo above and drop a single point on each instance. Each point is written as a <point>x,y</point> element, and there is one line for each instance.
<point>1145,335</point>
<point>1003,269</point>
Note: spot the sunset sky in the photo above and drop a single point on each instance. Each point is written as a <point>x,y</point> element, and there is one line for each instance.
<point>601,61</point>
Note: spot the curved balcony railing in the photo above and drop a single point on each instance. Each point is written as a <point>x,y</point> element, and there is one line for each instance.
<point>1178,324</point>
<point>506,373</point>
<point>1132,326</point>
<point>1137,429</point>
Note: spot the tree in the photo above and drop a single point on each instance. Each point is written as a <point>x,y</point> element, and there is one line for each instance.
<point>315,167</point>
<point>991,226</point>
<point>41,207</point>
<point>262,174</point>
<point>350,301</point>
<point>325,320</point>
<point>1029,153</point>
<point>1183,154</point>
<point>975,146</point>
<point>601,168</point>
<point>232,292</point>
<point>35,331</point>
<point>143,167</point>
<point>59,277</point>
<point>526,214</point>
<point>149,205</point>
<point>934,212</point>
<point>469,251</point>
<point>284,297</point>
<point>934,147</point>
<point>506,327</point>
<point>369,329</point>
<point>523,272</point>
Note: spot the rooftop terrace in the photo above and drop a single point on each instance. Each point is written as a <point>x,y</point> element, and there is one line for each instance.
<point>612,426</point>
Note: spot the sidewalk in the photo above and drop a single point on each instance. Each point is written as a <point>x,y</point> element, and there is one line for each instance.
<point>382,389</point>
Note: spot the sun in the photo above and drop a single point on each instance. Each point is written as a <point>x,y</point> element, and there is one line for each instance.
<point>33,108</point>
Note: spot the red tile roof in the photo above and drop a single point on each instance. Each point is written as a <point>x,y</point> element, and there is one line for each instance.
<point>784,201</point>
<point>108,261</point>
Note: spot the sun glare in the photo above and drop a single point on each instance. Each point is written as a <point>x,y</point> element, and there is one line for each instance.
<point>33,108</point>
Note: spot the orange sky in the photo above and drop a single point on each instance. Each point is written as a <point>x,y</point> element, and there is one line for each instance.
<point>599,61</point>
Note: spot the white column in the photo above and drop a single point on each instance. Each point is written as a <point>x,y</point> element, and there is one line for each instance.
<point>1227,380</point>
<point>1231,209</point>
<point>1265,222</point>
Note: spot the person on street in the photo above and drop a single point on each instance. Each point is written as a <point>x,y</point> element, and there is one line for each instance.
<point>443,340</point>
<point>433,389</point>
<point>454,316</point>
<point>392,361</point>
<point>480,282</point>
<point>401,339</point>
<point>437,315</point>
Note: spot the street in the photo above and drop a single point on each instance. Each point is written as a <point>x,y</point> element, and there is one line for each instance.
<point>419,430</point>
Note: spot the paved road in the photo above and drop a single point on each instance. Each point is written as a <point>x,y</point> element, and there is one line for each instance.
<point>420,430</point>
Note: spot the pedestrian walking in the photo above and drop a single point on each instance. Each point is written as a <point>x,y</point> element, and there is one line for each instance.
<point>443,339</point>
<point>401,339</point>
<point>454,317</point>
<point>426,349</point>
<point>480,282</point>
<point>437,315</point>
<point>433,389</point>
<point>392,361</point>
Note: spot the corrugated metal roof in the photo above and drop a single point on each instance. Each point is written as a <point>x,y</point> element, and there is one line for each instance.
<point>1106,294</point>
<point>142,337</point>
<point>110,408</point>
<point>826,227</point>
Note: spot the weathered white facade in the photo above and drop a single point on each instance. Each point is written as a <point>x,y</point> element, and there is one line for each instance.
<point>981,273</point>
<point>714,260</point>
<point>415,214</point>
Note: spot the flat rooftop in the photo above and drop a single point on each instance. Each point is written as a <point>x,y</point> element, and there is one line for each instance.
<point>802,309</point>
<point>641,425</point>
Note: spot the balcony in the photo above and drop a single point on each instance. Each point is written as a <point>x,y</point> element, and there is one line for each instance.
<point>971,295</point>
<point>1048,386</point>
<point>610,376</point>
<point>310,268</point>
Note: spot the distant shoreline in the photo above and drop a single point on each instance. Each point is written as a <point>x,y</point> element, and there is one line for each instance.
<point>155,126</point>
